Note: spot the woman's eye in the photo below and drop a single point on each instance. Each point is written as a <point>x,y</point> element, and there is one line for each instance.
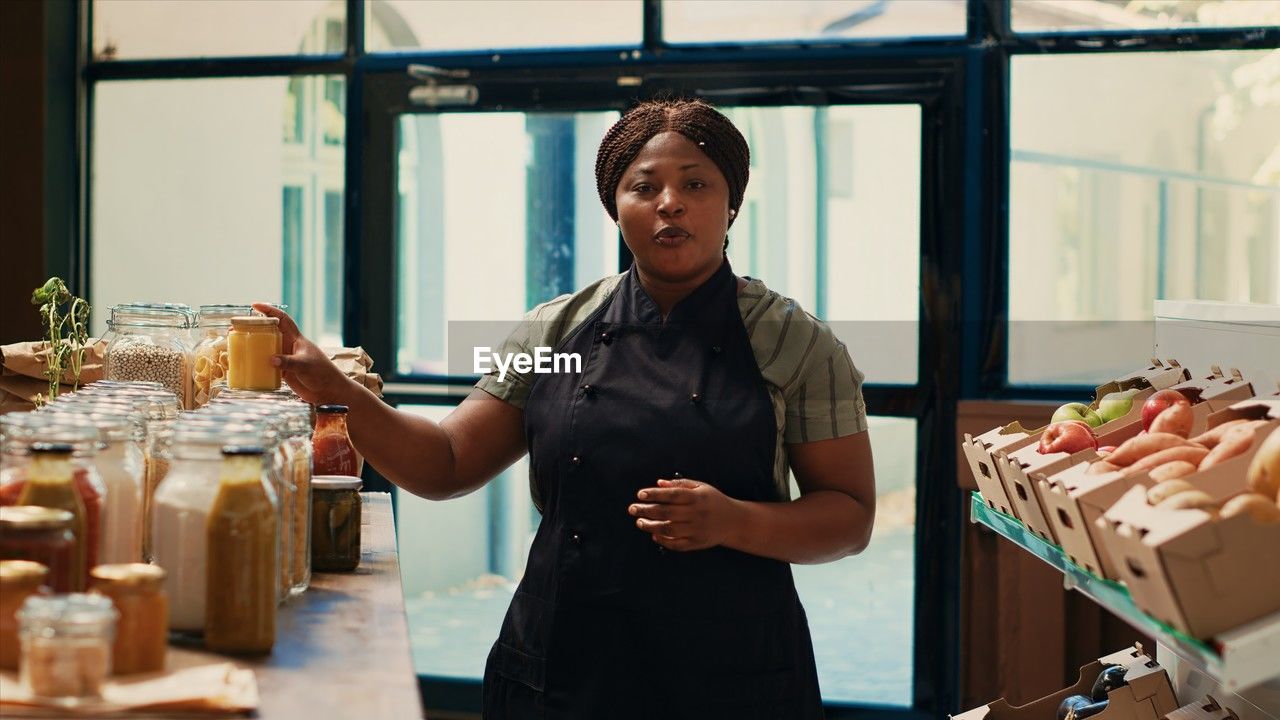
<point>697,185</point>
<point>641,188</point>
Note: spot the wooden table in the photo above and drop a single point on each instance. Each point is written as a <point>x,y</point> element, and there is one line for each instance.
<point>342,647</point>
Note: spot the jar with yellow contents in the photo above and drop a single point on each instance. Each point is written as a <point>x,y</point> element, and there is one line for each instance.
<point>252,342</point>
<point>142,630</point>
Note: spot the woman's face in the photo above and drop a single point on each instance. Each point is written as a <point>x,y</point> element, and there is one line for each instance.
<point>673,209</point>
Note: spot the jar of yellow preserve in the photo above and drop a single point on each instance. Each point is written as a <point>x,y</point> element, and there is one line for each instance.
<point>252,342</point>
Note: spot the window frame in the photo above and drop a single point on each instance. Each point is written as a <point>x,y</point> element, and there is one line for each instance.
<point>964,95</point>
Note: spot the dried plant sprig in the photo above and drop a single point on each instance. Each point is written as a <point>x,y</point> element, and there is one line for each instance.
<point>66,323</point>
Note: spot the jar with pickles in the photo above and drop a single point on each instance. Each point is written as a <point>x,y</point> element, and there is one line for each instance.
<point>150,342</point>
<point>335,523</point>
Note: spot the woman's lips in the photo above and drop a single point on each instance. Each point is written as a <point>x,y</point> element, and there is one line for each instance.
<point>671,236</point>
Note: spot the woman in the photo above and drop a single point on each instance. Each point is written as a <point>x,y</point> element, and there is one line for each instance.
<point>659,582</point>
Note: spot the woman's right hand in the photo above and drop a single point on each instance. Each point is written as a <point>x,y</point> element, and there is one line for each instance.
<point>306,368</point>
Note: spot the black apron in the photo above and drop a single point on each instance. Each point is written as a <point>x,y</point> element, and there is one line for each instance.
<point>606,624</point>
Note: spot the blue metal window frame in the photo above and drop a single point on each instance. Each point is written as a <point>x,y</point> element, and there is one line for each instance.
<point>964,304</point>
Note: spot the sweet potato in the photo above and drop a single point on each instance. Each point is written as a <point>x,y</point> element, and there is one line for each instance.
<point>1101,467</point>
<point>1259,507</point>
<point>1236,441</point>
<point>1136,448</point>
<point>1189,500</point>
<point>1264,470</point>
<point>1175,419</point>
<point>1190,453</point>
<point>1213,436</point>
<point>1172,470</point>
<point>1167,489</point>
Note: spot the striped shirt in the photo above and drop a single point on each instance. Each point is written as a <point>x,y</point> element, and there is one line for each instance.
<point>813,384</point>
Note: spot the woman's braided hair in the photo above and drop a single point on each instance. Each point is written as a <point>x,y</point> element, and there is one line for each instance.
<point>704,126</point>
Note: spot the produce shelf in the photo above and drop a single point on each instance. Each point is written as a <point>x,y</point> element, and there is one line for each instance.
<point>1242,658</point>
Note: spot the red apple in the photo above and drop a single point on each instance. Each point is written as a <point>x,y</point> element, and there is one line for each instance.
<point>1069,437</point>
<point>1157,404</point>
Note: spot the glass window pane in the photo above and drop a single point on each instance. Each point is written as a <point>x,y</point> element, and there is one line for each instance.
<point>1135,177</point>
<point>215,191</point>
<point>473,551</point>
<point>705,21</point>
<point>497,212</point>
<point>1050,15</point>
<point>831,218</point>
<point>133,29</point>
<point>501,24</point>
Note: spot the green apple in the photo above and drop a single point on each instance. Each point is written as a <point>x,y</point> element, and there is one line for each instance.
<point>1116,405</point>
<point>1077,411</point>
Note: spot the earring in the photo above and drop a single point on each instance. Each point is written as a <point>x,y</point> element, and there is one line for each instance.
<point>733,213</point>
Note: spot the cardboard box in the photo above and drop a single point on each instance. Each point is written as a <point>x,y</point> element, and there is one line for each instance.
<point>1016,470</point>
<point>979,452</point>
<point>1148,695</point>
<point>1074,501</point>
<point>1206,709</point>
<point>1191,569</point>
<point>1213,394</point>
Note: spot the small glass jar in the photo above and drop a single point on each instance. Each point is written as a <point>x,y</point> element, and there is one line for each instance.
<point>251,343</point>
<point>41,535</point>
<point>19,579</point>
<point>142,632</point>
<point>150,343</point>
<point>335,523</point>
<point>331,450</point>
<point>66,646</point>
<point>244,557</point>
<point>211,354</point>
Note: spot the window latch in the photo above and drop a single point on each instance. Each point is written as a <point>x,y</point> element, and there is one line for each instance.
<point>432,94</point>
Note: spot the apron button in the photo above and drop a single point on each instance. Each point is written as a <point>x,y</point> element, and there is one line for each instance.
<point>576,538</point>
<point>695,398</point>
<point>575,460</point>
<point>588,390</point>
<point>606,337</point>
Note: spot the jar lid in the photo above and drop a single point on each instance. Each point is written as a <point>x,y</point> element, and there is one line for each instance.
<point>134,576</point>
<point>241,450</point>
<point>34,517</point>
<point>254,321</point>
<point>14,572</point>
<point>336,482</point>
<point>151,315</point>
<point>77,614</point>
<point>51,448</point>
<point>340,409</point>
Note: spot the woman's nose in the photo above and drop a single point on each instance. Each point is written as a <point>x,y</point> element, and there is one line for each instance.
<point>670,203</point>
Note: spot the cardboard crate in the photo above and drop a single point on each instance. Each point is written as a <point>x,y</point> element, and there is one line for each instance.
<point>1206,709</point>
<point>1147,696</point>
<point>981,451</point>
<point>1016,470</point>
<point>1190,569</point>
<point>1073,502</point>
<point>1213,394</point>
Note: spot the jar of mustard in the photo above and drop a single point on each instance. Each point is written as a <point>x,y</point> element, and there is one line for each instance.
<point>19,579</point>
<point>251,343</point>
<point>142,631</point>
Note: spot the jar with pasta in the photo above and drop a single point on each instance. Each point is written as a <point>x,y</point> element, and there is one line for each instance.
<point>242,557</point>
<point>66,646</point>
<point>150,343</point>
<point>210,358</point>
<point>19,579</point>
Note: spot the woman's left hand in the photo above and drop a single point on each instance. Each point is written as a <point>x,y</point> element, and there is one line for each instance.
<point>683,514</point>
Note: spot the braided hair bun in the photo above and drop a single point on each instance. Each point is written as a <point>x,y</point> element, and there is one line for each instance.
<point>703,125</point>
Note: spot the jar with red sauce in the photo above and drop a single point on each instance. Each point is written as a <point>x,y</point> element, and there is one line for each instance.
<point>331,450</point>
<point>41,535</point>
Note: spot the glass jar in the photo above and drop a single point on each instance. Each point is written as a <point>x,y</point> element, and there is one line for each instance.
<point>142,631</point>
<point>331,450</point>
<point>19,579</point>
<point>55,478</point>
<point>119,463</point>
<point>252,342</point>
<point>41,535</point>
<point>150,343</point>
<point>335,523</point>
<point>179,533</point>
<point>243,557</point>
<point>211,355</point>
<point>66,646</point>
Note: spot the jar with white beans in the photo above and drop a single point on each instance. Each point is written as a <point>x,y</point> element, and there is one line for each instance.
<point>149,342</point>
